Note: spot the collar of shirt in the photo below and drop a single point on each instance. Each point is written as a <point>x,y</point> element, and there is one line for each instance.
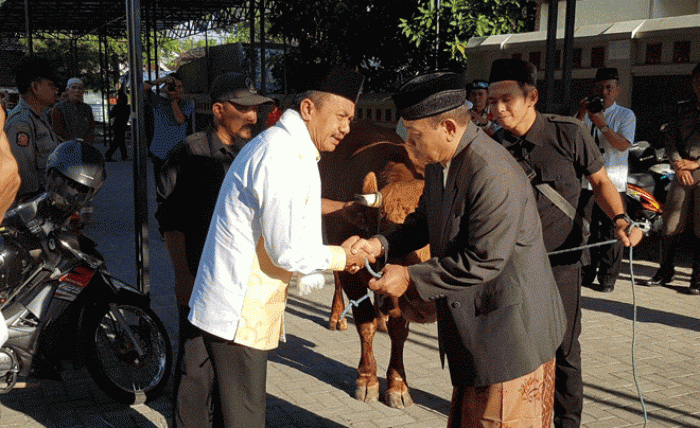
<point>292,122</point>
<point>534,134</point>
<point>610,109</point>
<point>219,149</point>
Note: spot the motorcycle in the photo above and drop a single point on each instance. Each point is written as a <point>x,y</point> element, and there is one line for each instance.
<point>648,181</point>
<point>59,301</point>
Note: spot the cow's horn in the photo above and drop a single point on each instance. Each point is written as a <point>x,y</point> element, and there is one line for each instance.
<point>372,200</point>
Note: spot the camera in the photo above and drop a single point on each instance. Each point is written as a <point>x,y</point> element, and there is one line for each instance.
<point>595,104</point>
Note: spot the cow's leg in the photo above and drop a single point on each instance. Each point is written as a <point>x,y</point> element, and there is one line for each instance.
<point>367,383</point>
<point>337,307</point>
<point>397,393</point>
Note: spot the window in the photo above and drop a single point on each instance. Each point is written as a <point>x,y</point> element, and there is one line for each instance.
<point>378,115</point>
<point>653,53</point>
<point>598,57</point>
<point>387,115</point>
<point>576,58</point>
<point>535,58</point>
<point>681,51</point>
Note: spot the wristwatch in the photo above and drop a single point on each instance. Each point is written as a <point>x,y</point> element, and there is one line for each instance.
<point>626,218</point>
<point>605,128</point>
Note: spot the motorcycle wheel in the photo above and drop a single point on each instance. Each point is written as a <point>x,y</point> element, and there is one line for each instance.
<point>113,360</point>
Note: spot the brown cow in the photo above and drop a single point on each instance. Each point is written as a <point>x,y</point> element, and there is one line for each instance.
<point>369,159</point>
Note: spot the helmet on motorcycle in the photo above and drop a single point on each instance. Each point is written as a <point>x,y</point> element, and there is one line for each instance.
<point>75,172</point>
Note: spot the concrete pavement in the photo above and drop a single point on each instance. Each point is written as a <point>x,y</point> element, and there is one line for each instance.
<point>311,377</point>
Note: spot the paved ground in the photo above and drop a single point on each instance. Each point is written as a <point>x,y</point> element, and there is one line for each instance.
<point>311,377</point>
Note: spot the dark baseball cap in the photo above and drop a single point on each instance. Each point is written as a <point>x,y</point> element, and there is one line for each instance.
<point>237,88</point>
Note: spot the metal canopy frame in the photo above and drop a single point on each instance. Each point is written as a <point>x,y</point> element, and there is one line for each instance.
<point>173,18</point>
<point>122,19</point>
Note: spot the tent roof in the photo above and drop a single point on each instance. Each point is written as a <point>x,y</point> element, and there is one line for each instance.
<point>174,18</point>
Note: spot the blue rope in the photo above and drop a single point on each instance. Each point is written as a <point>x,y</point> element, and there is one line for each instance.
<point>634,342</point>
<point>369,294</point>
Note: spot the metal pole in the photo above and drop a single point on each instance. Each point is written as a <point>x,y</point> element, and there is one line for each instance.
<point>154,26</point>
<point>568,52</point>
<point>551,55</point>
<point>103,68</point>
<point>263,72</point>
<point>149,60</point>
<point>133,14</point>
<point>252,55</point>
<point>28,28</point>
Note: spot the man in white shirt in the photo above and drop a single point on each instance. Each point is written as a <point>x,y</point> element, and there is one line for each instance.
<point>267,225</point>
<point>612,126</point>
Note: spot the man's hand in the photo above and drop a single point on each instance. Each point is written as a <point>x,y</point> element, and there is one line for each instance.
<point>598,119</point>
<point>685,164</point>
<point>371,246</point>
<point>685,177</point>
<point>355,257</point>
<point>629,238</point>
<point>394,281</point>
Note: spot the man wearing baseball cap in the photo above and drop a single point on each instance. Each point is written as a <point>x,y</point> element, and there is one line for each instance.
<point>191,178</point>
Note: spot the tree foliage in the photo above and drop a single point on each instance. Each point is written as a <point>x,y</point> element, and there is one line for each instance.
<point>389,40</point>
<point>459,20</point>
<point>360,34</point>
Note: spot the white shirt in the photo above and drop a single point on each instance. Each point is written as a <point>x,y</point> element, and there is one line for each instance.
<point>621,120</point>
<point>271,192</point>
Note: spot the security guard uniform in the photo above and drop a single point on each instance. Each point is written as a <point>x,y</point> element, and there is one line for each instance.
<point>560,151</point>
<point>191,178</point>
<point>682,140</point>
<point>32,141</point>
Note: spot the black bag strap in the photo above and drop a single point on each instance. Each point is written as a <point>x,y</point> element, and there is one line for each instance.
<point>523,157</point>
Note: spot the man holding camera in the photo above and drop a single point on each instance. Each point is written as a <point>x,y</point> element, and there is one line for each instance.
<point>170,117</point>
<point>612,127</point>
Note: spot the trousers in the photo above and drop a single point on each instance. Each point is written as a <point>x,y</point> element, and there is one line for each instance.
<point>568,393</point>
<point>241,374</point>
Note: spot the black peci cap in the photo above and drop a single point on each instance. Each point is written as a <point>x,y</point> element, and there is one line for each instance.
<point>430,94</point>
<point>343,82</point>
<point>513,69</point>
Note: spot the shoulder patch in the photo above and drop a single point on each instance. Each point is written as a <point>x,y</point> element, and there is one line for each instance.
<point>562,119</point>
<point>22,139</point>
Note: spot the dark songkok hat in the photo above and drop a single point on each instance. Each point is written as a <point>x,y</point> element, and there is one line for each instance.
<point>430,94</point>
<point>342,82</point>
<point>606,74</point>
<point>480,84</point>
<point>513,69</point>
<point>238,89</point>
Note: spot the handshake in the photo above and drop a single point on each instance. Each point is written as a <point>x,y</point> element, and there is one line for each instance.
<point>357,250</point>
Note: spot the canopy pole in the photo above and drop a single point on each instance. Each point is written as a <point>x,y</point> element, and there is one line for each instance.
<point>133,15</point>
<point>550,55</point>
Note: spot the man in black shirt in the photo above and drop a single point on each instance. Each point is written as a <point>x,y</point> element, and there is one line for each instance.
<point>558,151</point>
<point>191,178</point>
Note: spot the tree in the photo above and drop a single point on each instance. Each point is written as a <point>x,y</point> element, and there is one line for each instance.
<point>459,20</point>
<point>390,40</point>
<point>362,34</point>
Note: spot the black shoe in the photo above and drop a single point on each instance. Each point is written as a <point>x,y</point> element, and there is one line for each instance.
<point>605,288</point>
<point>694,288</point>
<point>660,279</point>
